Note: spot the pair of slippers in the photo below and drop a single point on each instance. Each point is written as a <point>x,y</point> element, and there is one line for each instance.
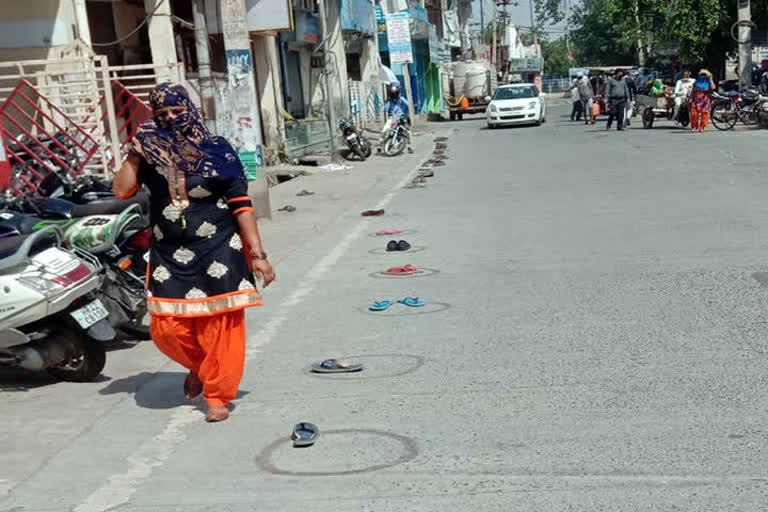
<point>405,270</point>
<point>400,246</point>
<point>383,305</point>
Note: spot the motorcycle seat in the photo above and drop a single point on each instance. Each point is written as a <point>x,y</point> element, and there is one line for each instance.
<point>9,247</point>
<point>111,206</point>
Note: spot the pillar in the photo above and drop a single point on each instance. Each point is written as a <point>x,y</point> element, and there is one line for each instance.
<point>81,21</point>
<point>161,40</point>
<point>242,124</point>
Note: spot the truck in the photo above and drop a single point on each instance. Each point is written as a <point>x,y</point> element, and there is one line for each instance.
<point>471,83</point>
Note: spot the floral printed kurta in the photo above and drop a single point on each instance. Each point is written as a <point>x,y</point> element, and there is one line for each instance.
<point>198,262</point>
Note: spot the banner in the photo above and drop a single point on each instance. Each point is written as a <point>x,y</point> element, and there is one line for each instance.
<point>399,38</point>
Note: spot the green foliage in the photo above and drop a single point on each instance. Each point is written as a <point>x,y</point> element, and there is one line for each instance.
<point>609,31</point>
<point>555,55</point>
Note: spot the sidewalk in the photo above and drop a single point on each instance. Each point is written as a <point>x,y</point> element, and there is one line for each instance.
<point>337,193</point>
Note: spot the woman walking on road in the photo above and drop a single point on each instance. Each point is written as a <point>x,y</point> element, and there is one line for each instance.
<point>206,247</point>
<point>701,100</point>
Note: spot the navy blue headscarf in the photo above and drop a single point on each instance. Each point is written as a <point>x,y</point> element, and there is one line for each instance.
<point>183,141</point>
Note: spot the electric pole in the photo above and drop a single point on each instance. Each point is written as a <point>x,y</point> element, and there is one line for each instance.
<point>326,86</point>
<point>244,130</point>
<point>745,45</point>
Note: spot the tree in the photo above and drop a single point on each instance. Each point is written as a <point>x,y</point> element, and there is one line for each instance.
<point>634,31</point>
<point>555,54</point>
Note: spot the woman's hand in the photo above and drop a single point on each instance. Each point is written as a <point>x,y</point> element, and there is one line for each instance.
<point>263,270</point>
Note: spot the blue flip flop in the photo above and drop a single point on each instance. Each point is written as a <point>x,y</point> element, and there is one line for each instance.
<point>413,302</point>
<point>380,306</point>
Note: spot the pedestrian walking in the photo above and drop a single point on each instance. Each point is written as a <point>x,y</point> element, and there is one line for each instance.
<point>206,252</point>
<point>616,93</point>
<point>577,107</point>
<point>701,100</point>
<point>584,86</point>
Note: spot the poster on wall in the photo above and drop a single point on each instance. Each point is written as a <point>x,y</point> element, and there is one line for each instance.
<point>240,122</point>
<point>399,38</point>
<point>269,15</point>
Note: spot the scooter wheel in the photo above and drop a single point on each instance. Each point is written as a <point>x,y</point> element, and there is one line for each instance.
<point>85,359</point>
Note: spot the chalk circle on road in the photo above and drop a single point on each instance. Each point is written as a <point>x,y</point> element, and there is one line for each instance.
<point>405,232</point>
<point>338,452</point>
<point>383,250</point>
<point>398,310</point>
<point>427,273</point>
<point>376,366</point>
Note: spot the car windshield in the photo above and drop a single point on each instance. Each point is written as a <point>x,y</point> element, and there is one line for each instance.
<point>515,93</point>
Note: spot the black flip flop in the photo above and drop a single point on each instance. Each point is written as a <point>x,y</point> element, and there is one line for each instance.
<point>287,208</point>
<point>305,193</point>
<point>392,246</point>
<point>335,366</point>
<point>402,245</point>
<point>304,434</point>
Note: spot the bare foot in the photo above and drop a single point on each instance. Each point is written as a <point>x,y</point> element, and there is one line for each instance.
<point>216,413</point>
<point>193,386</point>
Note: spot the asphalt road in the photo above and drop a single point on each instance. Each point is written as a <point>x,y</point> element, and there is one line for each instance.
<point>595,338</point>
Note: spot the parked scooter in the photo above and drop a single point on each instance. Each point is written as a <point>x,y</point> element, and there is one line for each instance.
<point>356,141</point>
<point>116,233</point>
<point>50,318</point>
<point>397,136</point>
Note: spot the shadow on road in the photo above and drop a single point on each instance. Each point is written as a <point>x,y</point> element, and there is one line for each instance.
<point>162,390</point>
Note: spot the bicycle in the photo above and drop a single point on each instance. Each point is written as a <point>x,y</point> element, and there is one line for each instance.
<point>726,110</point>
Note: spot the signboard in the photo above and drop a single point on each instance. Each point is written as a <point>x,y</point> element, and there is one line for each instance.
<point>269,15</point>
<point>434,44</point>
<point>399,38</point>
<point>306,27</point>
<point>526,65</point>
<point>419,22</point>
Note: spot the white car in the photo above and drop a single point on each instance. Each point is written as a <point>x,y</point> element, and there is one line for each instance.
<point>516,104</point>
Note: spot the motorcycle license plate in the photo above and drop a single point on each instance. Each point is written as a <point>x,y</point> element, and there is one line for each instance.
<point>90,314</point>
<point>351,136</point>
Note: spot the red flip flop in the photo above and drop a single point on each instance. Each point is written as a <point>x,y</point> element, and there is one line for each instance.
<point>389,232</point>
<point>405,270</point>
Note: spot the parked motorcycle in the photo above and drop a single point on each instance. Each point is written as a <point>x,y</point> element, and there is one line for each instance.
<point>116,232</point>
<point>356,141</point>
<point>397,135</point>
<point>50,317</point>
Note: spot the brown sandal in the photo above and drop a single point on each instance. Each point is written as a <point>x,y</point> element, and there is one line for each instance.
<point>193,386</point>
<point>216,413</point>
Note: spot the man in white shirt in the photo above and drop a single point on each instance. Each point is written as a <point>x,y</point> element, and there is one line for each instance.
<point>683,89</point>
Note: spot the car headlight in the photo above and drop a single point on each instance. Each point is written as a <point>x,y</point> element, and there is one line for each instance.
<point>492,108</point>
<point>533,104</point>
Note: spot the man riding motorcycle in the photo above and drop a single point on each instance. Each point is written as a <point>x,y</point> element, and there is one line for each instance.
<point>683,89</point>
<point>396,105</point>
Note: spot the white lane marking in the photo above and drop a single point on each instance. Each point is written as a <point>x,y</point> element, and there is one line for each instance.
<point>154,452</point>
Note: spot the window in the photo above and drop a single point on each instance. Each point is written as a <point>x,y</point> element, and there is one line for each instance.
<point>516,93</point>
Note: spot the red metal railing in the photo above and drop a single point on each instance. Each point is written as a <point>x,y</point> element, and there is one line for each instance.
<point>36,143</point>
<point>28,151</point>
<point>130,112</point>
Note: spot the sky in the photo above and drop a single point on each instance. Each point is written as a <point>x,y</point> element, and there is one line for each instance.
<point>520,16</point>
